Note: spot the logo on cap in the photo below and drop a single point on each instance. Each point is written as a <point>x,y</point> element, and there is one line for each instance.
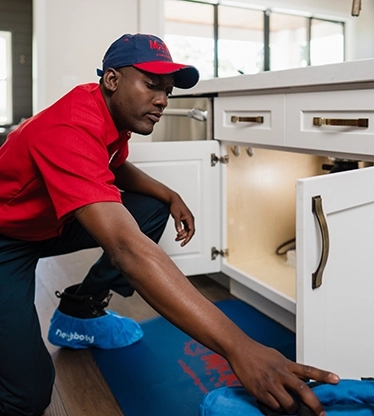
<point>155,45</point>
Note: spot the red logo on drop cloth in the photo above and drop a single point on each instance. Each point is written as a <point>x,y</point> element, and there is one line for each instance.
<point>215,367</point>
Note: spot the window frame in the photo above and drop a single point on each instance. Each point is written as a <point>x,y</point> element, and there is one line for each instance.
<point>329,21</point>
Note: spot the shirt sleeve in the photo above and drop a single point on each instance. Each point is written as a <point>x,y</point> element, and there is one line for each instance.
<point>73,164</point>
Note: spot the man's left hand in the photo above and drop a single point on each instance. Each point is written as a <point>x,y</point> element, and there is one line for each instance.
<point>183,219</point>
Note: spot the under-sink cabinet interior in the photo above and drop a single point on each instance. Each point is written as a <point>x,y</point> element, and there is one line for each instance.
<point>261,213</point>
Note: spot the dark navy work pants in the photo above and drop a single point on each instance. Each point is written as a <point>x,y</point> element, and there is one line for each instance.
<point>26,369</point>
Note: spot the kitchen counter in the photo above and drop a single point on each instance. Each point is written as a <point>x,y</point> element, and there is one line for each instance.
<point>352,74</point>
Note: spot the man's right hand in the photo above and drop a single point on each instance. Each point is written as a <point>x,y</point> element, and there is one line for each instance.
<point>270,377</point>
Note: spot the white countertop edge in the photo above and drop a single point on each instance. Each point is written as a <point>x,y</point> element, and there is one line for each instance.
<point>360,71</point>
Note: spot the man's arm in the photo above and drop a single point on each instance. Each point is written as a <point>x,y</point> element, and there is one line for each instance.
<point>130,178</point>
<point>264,372</point>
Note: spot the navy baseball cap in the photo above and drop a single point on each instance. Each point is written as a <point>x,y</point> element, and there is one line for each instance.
<point>148,53</point>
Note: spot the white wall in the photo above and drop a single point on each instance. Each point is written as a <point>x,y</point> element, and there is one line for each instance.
<point>362,36</point>
<point>71,37</point>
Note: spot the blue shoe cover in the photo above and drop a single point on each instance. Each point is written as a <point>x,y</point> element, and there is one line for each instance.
<point>105,332</point>
<point>347,398</point>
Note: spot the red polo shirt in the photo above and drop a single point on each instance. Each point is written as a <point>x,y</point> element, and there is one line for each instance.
<point>58,161</point>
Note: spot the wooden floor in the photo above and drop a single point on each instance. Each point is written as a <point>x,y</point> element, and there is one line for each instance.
<point>80,389</point>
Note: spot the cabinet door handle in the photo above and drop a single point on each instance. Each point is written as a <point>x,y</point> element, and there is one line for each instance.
<point>237,119</point>
<point>318,212</point>
<point>358,122</point>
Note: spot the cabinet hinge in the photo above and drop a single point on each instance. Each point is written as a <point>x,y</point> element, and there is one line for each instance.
<point>214,159</point>
<point>216,253</point>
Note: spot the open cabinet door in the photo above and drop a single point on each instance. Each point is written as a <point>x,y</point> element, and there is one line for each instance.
<point>186,168</point>
<point>335,319</point>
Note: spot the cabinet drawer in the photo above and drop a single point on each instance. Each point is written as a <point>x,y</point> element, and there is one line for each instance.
<point>333,122</point>
<point>256,120</point>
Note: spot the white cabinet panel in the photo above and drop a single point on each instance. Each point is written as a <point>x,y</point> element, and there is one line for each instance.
<point>335,320</point>
<point>186,168</point>
<point>256,120</point>
<point>311,119</point>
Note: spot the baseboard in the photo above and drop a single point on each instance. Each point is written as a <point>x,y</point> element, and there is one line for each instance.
<point>268,308</point>
<point>221,279</point>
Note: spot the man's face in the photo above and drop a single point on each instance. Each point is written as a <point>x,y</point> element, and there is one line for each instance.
<point>138,99</point>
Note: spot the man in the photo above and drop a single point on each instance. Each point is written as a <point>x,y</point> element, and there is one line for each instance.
<point>65,186</point>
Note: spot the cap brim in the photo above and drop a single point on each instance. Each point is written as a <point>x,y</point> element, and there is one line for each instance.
<point>185,76</point>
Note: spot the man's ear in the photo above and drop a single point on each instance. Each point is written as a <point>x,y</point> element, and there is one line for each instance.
<point>110,79</point>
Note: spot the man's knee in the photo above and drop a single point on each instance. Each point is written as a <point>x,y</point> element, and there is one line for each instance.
<point>27,400</point>
<point>150,213</point>
<point>157,223</point>
<point>164,212</point>
<point>29,405</point>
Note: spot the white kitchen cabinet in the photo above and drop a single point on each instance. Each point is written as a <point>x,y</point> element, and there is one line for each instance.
<point>264,197</point>
<point>328,317</point>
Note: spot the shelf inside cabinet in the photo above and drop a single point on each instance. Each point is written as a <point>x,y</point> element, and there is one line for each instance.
<point>273,271</point>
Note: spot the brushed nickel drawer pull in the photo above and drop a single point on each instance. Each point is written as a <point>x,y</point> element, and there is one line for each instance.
<point>318,212</point>
<point>237,119</point>
<point>358,122</point>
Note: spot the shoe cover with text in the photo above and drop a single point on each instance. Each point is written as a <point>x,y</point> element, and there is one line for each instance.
<point>105,332</point>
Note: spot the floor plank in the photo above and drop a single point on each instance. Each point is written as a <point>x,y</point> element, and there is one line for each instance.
<point>81,386</point>
<point>57,407</point>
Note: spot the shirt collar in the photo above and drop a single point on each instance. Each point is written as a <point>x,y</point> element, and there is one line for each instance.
<point>111,130</point>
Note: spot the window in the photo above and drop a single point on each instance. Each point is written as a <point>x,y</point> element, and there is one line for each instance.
<point>327,42</point>
<point>5,78</point>
<point>225,40</point>
<point>240,41</point>
<point>189,34</point>
<point>288,41</point>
